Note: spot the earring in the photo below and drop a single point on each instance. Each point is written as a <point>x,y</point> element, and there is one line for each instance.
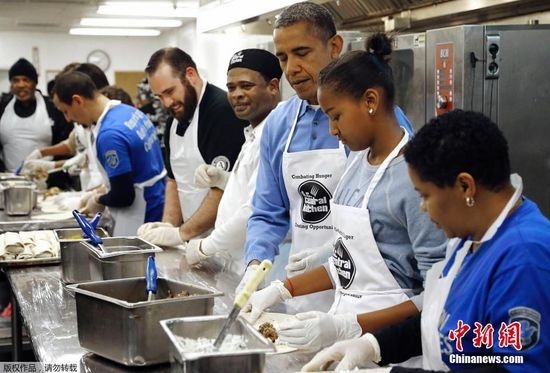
<point>371,111</point>
<point>470,202</point>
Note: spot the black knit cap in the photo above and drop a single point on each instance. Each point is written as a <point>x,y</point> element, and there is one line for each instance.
<point>25,68</point>
<point>258,60</point>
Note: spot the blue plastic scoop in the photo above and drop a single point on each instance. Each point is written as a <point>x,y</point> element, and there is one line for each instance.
<point>151,278</point>
<point>88,228</point>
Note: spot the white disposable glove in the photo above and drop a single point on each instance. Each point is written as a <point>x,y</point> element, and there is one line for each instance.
<point>307,259</point>
<point>92,205</point>
<point>315,330</point>
<point>163,235</point>
<point>37,168</point>
<point>351,353</point>
<point>75,164</point>
<point>148,226</point>
<point>193,252</point>
<point>84,199</point>
<point>35,154</point>
<point>262,299</point>
<point>207,176</point>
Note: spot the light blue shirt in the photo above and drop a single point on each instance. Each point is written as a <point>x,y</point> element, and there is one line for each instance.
<point>270,219</point>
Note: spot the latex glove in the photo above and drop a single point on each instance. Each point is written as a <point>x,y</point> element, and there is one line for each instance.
<point>351,353</point>
<point>307,259</point>
<point>148,226</point>
<point>92,205</point>
<point>75,164</point>
<point>315,330</point>
<point>207,176</point>
<point>163,235</point>
<point>193,252</point>
<point>262,299</point>
<point>35,154</point>
<point>37,168</point>
<point>84,199</point>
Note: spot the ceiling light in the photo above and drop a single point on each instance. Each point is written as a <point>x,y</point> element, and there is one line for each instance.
<point>146,9</point>
<point>129,22</point>
<point>114,31</point>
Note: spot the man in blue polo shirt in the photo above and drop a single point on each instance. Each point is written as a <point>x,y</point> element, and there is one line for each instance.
<point>300,162</point>
<point>127,148</point>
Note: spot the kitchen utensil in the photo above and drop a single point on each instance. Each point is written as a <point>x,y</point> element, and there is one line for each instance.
<point>151,278</point>
<point>87,229</point>
<point>242,298</point>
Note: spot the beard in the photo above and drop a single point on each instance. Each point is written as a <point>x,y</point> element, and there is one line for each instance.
<point>189,103</point>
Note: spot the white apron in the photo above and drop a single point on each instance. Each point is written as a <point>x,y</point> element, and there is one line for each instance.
<point>20,136</point>
<point>363,281</point>
<point>127,219</point>
<point>309,196</point>
<point>437,287</point>
<point>90,177</point>
<point>185,157</point>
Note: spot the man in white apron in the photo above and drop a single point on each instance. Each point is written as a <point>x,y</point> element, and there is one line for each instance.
<point>83,162</point>
<point>126,146</point>
<point>300,162</point>
<point>253,78</point>
<point>205,131</point>
<point>28,121</point>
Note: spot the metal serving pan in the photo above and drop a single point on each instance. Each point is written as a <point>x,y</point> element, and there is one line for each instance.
<point>119,257</point>
<point>116,321</point>
<point>75,260</point>
<point>249,359</point>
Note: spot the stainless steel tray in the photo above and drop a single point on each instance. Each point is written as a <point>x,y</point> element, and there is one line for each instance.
<point>250,359</point>
<point>75,260</point>
<point>117,246</point>
<point>116,321</point>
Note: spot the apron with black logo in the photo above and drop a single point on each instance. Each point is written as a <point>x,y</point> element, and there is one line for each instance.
<point>363,281</point>
<point>310,177</point>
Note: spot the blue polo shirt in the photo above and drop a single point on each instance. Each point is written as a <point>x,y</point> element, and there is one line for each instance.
<point>504,281</point>
<point>127,142</point>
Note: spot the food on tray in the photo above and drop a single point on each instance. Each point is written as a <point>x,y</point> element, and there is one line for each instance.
<point>268,330</point>
<point>179,294</point>
<point>40,174</point>
<point>231,343</point>
<point>53,191</point>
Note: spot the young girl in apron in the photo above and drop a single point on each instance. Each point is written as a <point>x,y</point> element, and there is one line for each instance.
<point>382,243</point>
<point>486,307</point>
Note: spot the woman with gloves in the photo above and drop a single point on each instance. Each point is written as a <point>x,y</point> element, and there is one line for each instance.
<point>486,307</point>
<point>383,244</point>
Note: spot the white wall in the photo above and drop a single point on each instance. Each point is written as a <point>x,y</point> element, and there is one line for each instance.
<point>56,50</point>
<point>211,52</point>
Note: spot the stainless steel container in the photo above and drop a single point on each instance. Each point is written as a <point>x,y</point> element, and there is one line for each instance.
<point>119,257</point>
<point>116,321</point>
<point>250,359</point>
<point>19,197</point>
<point>75,258</point>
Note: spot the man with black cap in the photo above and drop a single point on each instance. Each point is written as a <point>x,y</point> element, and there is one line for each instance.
<point>205,131</point>
<point>28,120</point>
<point>253,79</point>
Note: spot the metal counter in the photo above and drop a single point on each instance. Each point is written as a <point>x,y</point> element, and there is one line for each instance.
<point>27,223</point>
<point>48,311</point>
